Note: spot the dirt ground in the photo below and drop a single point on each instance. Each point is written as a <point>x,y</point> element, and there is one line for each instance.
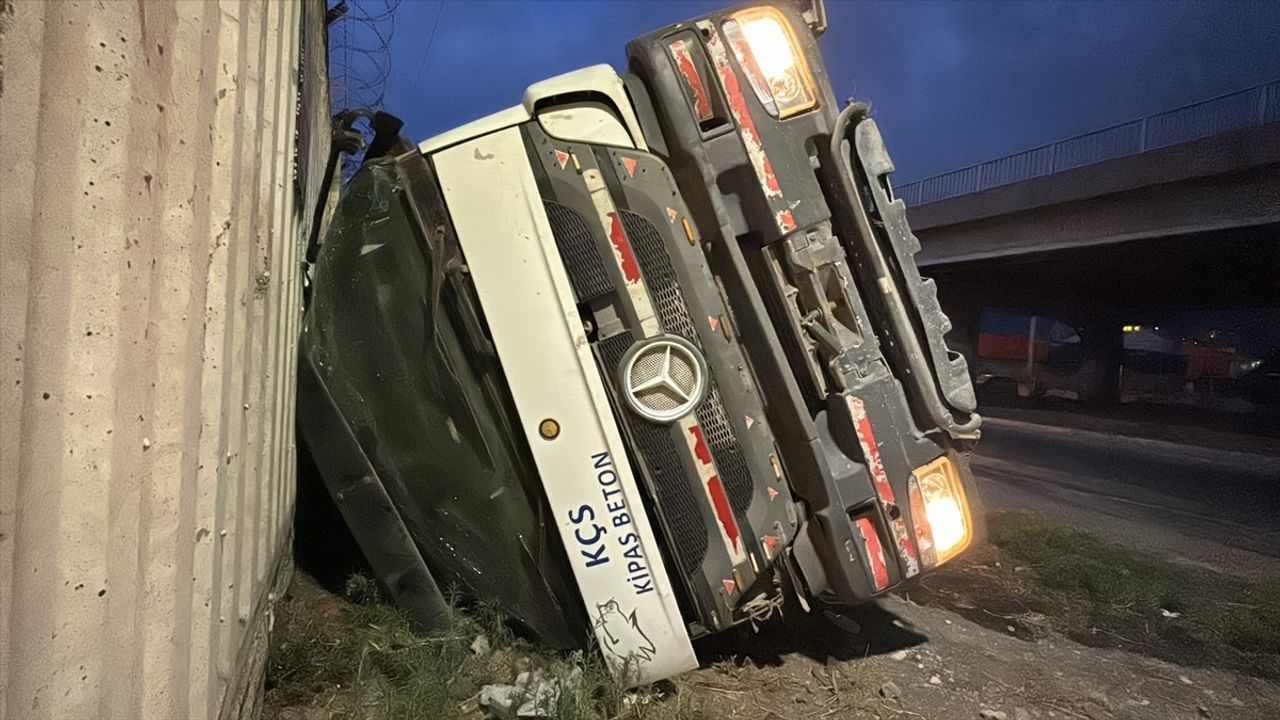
<point>980,639</point>
<point>1041,620</point>
<point>912,661</point>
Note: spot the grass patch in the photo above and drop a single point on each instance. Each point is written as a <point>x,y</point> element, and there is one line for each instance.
<point>355,657</point>
<point>1040,574</point>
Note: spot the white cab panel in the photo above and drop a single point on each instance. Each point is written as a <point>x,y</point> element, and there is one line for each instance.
<point>588,122</point>
<point>528,303</point>
<point>600,81</point>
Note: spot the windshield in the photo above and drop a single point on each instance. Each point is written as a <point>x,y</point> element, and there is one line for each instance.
<point>426,403</point>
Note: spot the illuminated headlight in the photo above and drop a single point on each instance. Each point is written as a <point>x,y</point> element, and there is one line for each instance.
<point>762,41</point>
<point>939,511</point>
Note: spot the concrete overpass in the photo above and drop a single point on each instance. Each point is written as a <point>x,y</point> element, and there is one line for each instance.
<point>1179,210</point>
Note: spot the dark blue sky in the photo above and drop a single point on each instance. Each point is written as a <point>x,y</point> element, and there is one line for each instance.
<point>951,83</point>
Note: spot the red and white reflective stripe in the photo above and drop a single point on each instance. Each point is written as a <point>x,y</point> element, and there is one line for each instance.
<point>750,136</point>
<point>875,554</point>
<point>786,221</point>
<point>623,255</point>
<point>884,491</point>
<point>870,450</point>
<point>692,80</point>
<point>622,251</point>
<point>714,489</point>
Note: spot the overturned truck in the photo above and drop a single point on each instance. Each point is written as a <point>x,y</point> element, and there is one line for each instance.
<point>643,357</point>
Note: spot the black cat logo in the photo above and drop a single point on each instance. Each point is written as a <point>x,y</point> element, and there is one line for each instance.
<point>622,636</point>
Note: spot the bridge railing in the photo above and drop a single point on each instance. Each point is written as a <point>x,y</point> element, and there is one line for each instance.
<point>1254,107</point>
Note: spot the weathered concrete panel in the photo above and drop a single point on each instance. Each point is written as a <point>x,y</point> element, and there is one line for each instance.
<point>152,228</point>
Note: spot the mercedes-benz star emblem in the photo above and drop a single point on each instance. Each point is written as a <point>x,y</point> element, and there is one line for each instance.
<point>663,378</point>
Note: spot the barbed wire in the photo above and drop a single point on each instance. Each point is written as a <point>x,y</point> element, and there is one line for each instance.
<point>360,59</point>
<point>360,53</point>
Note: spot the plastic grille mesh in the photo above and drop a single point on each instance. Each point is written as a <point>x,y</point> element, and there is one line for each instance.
<point>659,275</point>
<point>578,252</point>
<point>673,494</point>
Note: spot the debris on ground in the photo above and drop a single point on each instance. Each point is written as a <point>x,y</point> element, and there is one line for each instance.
<point>532,695</point>
<point>889,690</point>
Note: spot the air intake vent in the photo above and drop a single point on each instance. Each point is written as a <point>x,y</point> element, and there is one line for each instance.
<point>660,276</point>
<point>578,252</point>
<point>657,452</point>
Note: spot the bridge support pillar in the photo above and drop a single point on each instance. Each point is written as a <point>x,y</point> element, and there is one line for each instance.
<point>1102,342</point>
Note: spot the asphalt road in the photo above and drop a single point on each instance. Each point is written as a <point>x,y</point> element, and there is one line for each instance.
<point>1198,505</point>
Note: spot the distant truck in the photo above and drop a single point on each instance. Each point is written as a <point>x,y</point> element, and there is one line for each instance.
<point>643,357</point>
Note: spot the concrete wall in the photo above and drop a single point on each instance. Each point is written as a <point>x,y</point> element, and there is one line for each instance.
<point>149,270</point>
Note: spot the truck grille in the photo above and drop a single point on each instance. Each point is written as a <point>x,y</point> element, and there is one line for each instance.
<point>660,276</point>
<point>673,494</point>
<point>578,252</point>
